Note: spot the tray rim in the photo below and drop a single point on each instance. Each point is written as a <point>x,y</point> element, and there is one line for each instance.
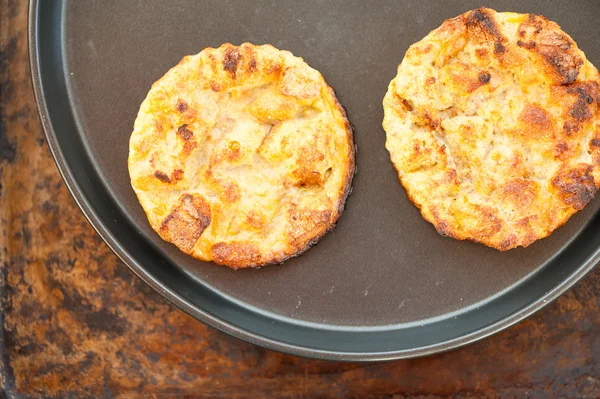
<point>220,324</point>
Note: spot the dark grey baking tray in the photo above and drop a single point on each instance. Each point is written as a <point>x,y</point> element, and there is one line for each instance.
<point>383,284</point>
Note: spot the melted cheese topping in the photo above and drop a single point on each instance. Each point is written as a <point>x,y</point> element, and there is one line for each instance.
<point>492,125</point>
<point>241,155</point>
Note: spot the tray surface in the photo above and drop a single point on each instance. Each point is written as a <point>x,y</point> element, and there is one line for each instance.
<point>383,284</point>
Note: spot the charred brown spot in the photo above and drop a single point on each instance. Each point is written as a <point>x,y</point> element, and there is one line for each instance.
<point>186,222</point>
<point>561,149</point>
<point>215,87</point>
<point>484,77</point>
<point>570,127</point>
<point>532,26</point>
<point>236,254</point>
<point>185,133</point>
<point>174,178</point>
<point>181,106</point>
<point>275,69</point>
<point>177,175</point>
<point>187,136</point>
<point>408,105</point>
<point>231,60</point>
<point>430,121</point>
<point>524,222</point>
<point>481,19</point>
<point>537,22</point>
<point>508,243</point>
<point>252,65</point>
<point>580,111</point>
<point>576,186</point>
<point>528,45</point>
<point>595,143</point>
<point>162,176</point>
<point>405,105</point>
<point>499,48</point>
<point>585,97</point>
<point>481,52</point>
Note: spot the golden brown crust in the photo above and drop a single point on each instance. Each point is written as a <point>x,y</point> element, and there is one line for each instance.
<point>253,132</point>
<point>493,126</point>
<point>186,222</point>
<point>236,254</point>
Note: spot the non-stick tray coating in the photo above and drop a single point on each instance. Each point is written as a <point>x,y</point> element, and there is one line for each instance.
<point>383,284</point>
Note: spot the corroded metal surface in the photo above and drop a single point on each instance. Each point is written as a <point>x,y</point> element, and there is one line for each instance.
<point>76,323</point>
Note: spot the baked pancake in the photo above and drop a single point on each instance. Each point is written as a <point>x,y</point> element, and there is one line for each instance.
<point>492,124</point>
<point>242,156</point>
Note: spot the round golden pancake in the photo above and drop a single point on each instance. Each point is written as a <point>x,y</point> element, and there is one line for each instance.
<point>241,155</point>
<point>493,127</point>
